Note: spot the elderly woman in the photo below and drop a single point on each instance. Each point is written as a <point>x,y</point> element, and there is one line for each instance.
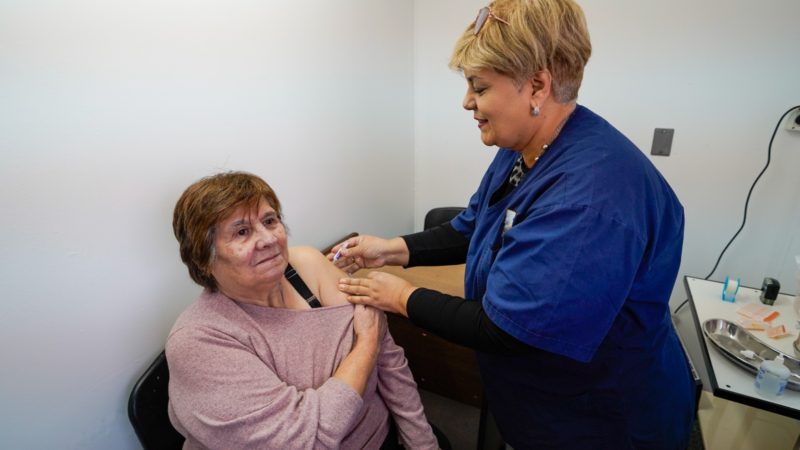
<point>572,244</point>
<point>271,355</point>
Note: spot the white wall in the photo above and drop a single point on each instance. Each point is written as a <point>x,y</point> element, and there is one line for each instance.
<point>720,72</point>
<point>108,110</point>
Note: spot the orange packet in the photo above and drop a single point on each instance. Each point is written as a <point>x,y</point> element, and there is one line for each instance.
<point>758,312</point>
<point>777,332</point>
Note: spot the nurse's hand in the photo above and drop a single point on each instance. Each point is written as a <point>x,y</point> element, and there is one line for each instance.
<point>381,290</point>
<point>369,252</point>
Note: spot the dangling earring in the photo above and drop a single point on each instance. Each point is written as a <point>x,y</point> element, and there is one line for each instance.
<point>535,111</point>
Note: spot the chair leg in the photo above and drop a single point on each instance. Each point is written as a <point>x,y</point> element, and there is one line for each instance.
<point>488,435</point>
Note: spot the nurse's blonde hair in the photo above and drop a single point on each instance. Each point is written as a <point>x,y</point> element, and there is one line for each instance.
<point>540,34</point>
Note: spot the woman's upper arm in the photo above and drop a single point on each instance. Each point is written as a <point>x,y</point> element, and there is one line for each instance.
<point>225,396</point>
<point>320,275</point>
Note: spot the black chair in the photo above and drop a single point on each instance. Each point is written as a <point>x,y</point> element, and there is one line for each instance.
<point>147,409</point>
<point>438,216</point>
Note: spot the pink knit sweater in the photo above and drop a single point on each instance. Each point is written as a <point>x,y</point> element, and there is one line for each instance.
<point>250,377</point>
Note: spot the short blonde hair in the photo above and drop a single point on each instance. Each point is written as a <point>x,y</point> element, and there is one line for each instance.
<point>540,34</point>
<point>203,205</point>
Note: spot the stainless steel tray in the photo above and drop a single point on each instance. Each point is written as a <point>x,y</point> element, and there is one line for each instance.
<point>730,339</point>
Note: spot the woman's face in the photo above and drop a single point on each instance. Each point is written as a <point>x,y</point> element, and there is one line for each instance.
<point>251,251</point>
<point>502,109</point>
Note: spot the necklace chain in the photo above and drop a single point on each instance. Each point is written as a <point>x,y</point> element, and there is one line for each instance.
<point>518,172</point>
<point>555,135</point>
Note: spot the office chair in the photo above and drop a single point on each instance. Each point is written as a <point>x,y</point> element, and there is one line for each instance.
<point>147,409</point>
<point>440,215</point>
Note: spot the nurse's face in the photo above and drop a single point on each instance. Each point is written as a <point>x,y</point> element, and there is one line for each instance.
<point>501,108</point>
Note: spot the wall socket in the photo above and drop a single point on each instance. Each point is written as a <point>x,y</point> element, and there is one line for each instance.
<point>662,141</point>
<point>793,120</point>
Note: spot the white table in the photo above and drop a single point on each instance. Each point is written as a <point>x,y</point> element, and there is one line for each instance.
<point>728,380</point>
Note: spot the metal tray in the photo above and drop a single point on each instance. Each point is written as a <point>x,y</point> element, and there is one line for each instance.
<point>730,339</point>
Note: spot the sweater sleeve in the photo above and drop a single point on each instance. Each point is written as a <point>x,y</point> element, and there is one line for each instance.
<point>225,397</point>
<point>399,392</point>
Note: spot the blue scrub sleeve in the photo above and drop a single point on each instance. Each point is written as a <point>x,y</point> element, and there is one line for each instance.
<point>560,277</point>
<point>464,223</point>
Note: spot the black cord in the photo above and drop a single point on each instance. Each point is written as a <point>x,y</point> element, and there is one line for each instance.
<point>747,201</point>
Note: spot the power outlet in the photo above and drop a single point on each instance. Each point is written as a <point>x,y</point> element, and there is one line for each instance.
<point>793,120</point>
<point>662,141</point>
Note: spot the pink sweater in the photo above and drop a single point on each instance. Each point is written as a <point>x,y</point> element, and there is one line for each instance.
<point>250,377</point>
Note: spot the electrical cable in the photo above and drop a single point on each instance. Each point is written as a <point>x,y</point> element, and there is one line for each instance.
<point>747,201</point>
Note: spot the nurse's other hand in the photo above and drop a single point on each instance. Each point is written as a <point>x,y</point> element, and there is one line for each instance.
<point>365,251</point>
<point>381,290</point>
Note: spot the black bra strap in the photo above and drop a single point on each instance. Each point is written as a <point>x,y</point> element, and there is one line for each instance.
<point>300,286</point>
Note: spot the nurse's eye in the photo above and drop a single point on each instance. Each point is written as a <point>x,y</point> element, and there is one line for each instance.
<point>479,90</point>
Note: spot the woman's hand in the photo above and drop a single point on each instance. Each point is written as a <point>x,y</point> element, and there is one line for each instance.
<point>369,324</point>
<point>381,290</point>
<point>371,252</point>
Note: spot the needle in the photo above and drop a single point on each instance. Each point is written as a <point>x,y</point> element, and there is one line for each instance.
<point>339,252</point>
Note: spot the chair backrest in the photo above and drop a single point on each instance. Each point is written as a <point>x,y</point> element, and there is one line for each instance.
<point>147,409</point>
<point>440,215</point>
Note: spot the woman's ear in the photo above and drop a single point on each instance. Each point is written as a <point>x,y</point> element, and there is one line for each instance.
<point>541,83</point>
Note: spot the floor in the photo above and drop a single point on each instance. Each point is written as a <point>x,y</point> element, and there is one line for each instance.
<point>724,425</point>
<point>459,422</point>
<point>729,425</point>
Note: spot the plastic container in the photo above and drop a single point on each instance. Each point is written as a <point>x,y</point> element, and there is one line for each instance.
<point>772,377</point>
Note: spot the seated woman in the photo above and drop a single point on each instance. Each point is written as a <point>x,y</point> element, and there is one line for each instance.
<point>271,355</point>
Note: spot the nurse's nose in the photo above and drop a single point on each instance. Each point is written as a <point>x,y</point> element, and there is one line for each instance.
<point>469,100</point>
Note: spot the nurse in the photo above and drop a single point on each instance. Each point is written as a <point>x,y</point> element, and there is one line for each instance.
<point>572,244</point>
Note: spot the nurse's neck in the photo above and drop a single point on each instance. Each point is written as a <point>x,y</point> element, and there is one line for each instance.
<point>551,120</point>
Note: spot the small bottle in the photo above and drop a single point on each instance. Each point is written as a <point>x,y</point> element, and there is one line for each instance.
<point>772,377</point>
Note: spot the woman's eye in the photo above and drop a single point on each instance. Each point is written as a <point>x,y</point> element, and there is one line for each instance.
<point>270,221</point>
<point>242,232</point>
<point>479,90</point>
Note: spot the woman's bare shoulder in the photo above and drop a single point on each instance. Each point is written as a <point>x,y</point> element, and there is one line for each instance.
<point>302,252</point>
<point>318,273</point>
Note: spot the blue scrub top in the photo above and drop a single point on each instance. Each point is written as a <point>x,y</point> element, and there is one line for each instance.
<point>579,261</point>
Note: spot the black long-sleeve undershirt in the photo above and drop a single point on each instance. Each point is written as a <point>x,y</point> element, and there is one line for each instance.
<point>437,246</point>
<point>456,319</point>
